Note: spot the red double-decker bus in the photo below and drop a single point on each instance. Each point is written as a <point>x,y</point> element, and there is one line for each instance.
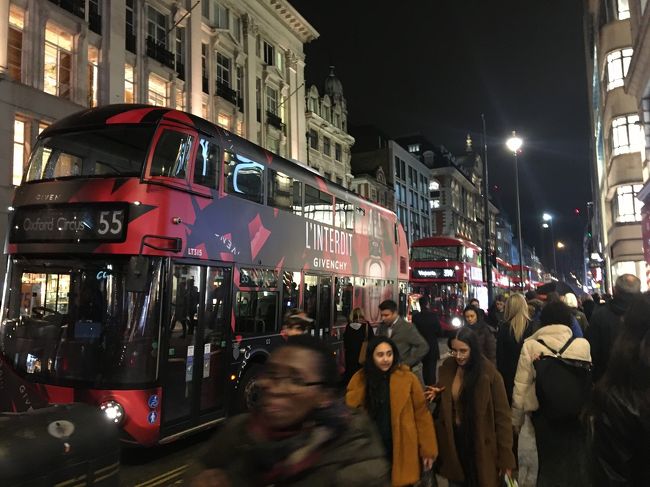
<point>501,275</point>
<point>448,270</point>
<point>152,255</point>
<point>515,279</point>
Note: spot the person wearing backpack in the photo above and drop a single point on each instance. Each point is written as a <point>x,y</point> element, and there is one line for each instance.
<point>552,383</point>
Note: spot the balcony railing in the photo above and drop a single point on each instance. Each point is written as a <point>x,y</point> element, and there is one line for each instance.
<point>227,93</point>
<point>273,120</point>
<point>75,7</point>
<point>159,52</point>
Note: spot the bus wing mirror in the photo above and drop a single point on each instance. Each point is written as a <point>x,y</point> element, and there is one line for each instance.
<point>137,274</point>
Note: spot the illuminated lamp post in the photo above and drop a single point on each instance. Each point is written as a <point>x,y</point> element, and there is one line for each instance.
<point>514,143</point>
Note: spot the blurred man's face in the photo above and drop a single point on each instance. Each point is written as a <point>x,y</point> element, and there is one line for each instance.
<point>290,387</point>
<point>388,316</point>
<point>500,305</point>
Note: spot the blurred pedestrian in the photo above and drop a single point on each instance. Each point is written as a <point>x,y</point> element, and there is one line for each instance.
<point>588,306</point>
<point>606,321</point>
<point>412,347</point>
<point>300,435</point>
<point>296,322</point>
<point>393,397</point>
<point>554,297</point>
<point>473,422</point>
<point>572,302</point>
<point>561,447</point>
<point>357,331</point>
<point>477,304</point>
<point>486,339</point>
<point>495,312</point>
<point>621,405</point>
<point>426,321</point>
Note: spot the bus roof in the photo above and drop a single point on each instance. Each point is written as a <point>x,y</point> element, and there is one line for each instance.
<point>147,114</point>
<point>444,242</point>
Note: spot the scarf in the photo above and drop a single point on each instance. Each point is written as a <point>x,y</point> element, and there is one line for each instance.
<point>285,456</point>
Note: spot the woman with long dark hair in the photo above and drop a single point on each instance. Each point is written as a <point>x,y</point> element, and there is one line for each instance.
<point>357,331</point>
<point>621,405</point>
<point>474,424</point>
<point>394,399</point>
<point>474,320</point>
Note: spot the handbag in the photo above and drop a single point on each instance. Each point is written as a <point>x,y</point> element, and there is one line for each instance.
<point>364,347</point>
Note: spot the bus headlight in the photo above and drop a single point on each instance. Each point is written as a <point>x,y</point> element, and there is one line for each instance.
<point>456,322</point>
<point>113,411</point>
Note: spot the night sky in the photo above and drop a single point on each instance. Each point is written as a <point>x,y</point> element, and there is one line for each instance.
<point>433,66</point>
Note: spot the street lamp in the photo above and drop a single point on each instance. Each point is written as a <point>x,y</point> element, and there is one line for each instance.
<point>560,245</point>
<point>514,143</point>
<point>548,223</point>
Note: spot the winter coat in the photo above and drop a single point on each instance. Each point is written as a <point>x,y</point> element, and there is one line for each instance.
<point>603,329</point>
<point>524,397</point>
<point>412,347</point>
<point>411,422</point>
<point>493,435</point>
<point>508,351</point>
<point>486,340</point>
<point>621,440</point>
<point>352,341</point>
<point>581,319</point>
<point>354,458</point>
<point>428,326</point>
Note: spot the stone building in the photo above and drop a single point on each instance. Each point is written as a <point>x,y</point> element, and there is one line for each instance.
<point>328,142</point>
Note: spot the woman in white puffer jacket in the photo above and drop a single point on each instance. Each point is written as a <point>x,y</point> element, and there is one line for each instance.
<point>561,446</point>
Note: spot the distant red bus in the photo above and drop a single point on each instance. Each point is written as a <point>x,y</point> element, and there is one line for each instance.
<point>501,275</point>
<point>515,279</point>
<point>448,270</point>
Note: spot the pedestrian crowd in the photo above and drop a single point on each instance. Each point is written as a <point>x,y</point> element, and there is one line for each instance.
<point>579,370</point>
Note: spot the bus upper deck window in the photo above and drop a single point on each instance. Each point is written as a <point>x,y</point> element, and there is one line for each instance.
<point>244,177</point>
<point>206,164</point>
<point>171,155</point>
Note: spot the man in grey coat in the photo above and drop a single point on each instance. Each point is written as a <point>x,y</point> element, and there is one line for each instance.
<point>411,345</point>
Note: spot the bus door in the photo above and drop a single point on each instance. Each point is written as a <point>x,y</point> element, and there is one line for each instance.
<point>317,302</point>
<point>195,372</point>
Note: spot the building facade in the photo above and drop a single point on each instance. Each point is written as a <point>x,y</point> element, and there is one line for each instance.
<point>637,84</point>
<point>328,142</point>
<point>239,64</point>
<point>618,141</point>
<point>405,173</point>
<point>455,191</point>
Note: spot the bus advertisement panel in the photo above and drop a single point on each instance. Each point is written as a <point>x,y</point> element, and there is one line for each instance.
<point>152,256</point>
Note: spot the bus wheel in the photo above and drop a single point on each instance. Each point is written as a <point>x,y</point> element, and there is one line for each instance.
<point>248,390</point>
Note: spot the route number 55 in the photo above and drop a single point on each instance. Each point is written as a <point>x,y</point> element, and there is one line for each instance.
<point>110,222</point>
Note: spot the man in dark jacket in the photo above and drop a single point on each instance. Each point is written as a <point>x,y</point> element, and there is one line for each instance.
<point>300,435</point>
<point>428,326</point>
<point>606,321</point>
<point>412,347</point>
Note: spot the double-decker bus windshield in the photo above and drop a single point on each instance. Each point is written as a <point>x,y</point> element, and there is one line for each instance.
<point>109,151</point>
<point>76,321</point>
<point>433,254</point>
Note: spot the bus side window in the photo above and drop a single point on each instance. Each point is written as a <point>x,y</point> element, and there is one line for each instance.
<point>318,205</point>
<point>244,177</point>
<point>344,214</point>
<point>171,155</point>
<point>206,163</point>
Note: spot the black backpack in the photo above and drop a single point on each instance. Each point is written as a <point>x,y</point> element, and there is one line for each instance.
<point>562,385</point>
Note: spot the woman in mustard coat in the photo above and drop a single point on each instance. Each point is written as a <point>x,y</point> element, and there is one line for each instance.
<point>393,397</point>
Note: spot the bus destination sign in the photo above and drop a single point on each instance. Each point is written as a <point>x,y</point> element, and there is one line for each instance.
<point>70,223</point>
<point>434,273</point>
